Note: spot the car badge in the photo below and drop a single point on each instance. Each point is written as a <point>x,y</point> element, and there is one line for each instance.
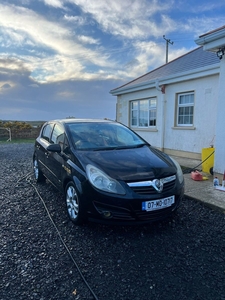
<point>158,185</point>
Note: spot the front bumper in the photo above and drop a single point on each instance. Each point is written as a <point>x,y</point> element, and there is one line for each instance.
<point>130,210</point>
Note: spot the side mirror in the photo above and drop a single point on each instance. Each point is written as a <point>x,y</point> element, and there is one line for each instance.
<point>54,148</point>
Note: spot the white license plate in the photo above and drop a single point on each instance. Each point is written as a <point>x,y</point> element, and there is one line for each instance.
<point>158,204</point>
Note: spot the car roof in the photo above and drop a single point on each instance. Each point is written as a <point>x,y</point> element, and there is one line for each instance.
<point>74,120</point>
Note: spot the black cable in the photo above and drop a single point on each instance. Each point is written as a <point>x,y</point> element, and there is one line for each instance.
<point>189,170</point>
<point>28,180</point>
<point>64,244</point>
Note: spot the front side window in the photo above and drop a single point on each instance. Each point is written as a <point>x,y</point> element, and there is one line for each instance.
<point>58,136</point>
<point>143,113</point>
<point>185,109</point>
<point>47,131</point>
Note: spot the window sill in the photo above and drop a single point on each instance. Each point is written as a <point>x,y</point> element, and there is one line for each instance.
<point>144,129</point>
<point>184,128</point>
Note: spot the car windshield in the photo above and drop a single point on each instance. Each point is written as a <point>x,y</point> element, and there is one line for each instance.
<point>103,136</point>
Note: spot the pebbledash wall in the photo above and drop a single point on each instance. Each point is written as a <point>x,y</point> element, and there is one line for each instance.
<point>181,141</point>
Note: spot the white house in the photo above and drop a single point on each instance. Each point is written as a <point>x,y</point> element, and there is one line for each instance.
<point>180,106</point>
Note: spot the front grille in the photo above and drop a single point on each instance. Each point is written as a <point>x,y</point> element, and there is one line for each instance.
<point>150,190</point>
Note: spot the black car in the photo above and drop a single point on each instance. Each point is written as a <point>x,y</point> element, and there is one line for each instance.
<point>107,172</point>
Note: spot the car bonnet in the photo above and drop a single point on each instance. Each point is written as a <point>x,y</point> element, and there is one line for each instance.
<point>130,164</point>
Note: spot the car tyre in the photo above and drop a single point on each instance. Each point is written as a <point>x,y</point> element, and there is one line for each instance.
<point>38,175</point>
<point>75,207</point>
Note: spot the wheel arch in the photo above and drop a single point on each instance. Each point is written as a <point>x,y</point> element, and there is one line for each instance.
<point>75,180</point>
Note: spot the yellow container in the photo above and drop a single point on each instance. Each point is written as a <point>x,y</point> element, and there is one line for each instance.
<point>207,159</point>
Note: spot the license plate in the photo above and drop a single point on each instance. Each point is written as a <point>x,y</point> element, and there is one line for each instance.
<point>158,204</point>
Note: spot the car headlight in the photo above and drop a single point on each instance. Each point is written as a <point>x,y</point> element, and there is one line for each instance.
<point>180,175</point>
<point>103,182</point>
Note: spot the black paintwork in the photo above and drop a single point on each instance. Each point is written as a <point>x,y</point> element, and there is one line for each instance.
<point>125,165</point>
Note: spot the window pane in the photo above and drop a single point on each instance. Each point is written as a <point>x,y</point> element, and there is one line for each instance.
<point>57,134</point>
<point>186,99</point>
<point>152,118</point>
<point>134,105</point>
<point>152,103</point>
<point>143,113</point>
<point>47,132</point>
<point>181,110</point>
<point>185,109</point>
<point>180,120</point>
<point>134,118</point>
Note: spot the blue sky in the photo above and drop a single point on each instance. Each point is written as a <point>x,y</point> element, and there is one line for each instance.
<point>61,58</point>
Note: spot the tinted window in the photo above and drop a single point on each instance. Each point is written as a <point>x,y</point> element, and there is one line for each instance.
<point>46,132</point>
<point>58,136</point>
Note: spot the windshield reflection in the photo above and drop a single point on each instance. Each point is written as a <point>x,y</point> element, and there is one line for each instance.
<point>103,136</point>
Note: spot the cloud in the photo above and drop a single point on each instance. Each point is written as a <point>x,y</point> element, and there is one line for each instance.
<point>6,86</point>
<point>60,50</point>
<point>130,18</point>
<point>54,39</point>
<point>199,25</point>
<point>51,35</point>
<point>75,19</point>
<point>88,40</point>
<point>54,3</point>
<point>82,99</point>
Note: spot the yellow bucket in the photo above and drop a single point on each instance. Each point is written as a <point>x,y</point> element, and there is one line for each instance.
<point>207,159</point>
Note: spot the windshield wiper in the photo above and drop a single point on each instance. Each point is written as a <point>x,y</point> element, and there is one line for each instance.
<point>121,147</point>
<point>138,145</point>
<point>104,148</point>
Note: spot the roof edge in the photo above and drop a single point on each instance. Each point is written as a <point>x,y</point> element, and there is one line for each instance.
<point>196,73</point>
<point>155,69</point>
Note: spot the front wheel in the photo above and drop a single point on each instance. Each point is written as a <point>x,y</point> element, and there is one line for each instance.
<point>75,209</point>
<point>38,175</point>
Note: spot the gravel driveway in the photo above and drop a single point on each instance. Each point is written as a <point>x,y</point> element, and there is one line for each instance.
<point>181,258</point>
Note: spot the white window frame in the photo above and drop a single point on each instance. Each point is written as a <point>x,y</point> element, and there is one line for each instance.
<point>135,112</point>
<point>188,106</point>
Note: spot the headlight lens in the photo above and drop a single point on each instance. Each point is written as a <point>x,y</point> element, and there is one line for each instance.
<point>179,170</point>
<point>103,182</point>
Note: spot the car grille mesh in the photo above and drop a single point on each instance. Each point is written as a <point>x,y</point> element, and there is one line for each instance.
<point>149,190</point>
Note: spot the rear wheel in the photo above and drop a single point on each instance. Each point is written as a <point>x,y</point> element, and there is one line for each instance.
<point>38,175</point>
<point>75,208</point>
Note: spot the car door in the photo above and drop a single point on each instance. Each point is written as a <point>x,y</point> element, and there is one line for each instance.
<point>54,160</point>
<point>41,146</point>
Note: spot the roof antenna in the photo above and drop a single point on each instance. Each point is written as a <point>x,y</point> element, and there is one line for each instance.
<point>167,42</point>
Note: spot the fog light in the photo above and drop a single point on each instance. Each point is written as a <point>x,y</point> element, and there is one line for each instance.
<point>106,214</point>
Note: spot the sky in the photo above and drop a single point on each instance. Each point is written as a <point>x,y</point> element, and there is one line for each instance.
<point>61,58</point>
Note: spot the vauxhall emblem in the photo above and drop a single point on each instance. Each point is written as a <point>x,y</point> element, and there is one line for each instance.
<point>158,185</point>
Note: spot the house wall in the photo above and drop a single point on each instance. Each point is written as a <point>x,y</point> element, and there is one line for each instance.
<point>187,142</point>
<point>219,165</point>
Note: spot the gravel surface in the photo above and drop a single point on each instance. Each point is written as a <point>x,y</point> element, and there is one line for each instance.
<point>180,258</point>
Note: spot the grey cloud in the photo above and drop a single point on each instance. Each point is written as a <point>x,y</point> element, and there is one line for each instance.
<point>6,86</point>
